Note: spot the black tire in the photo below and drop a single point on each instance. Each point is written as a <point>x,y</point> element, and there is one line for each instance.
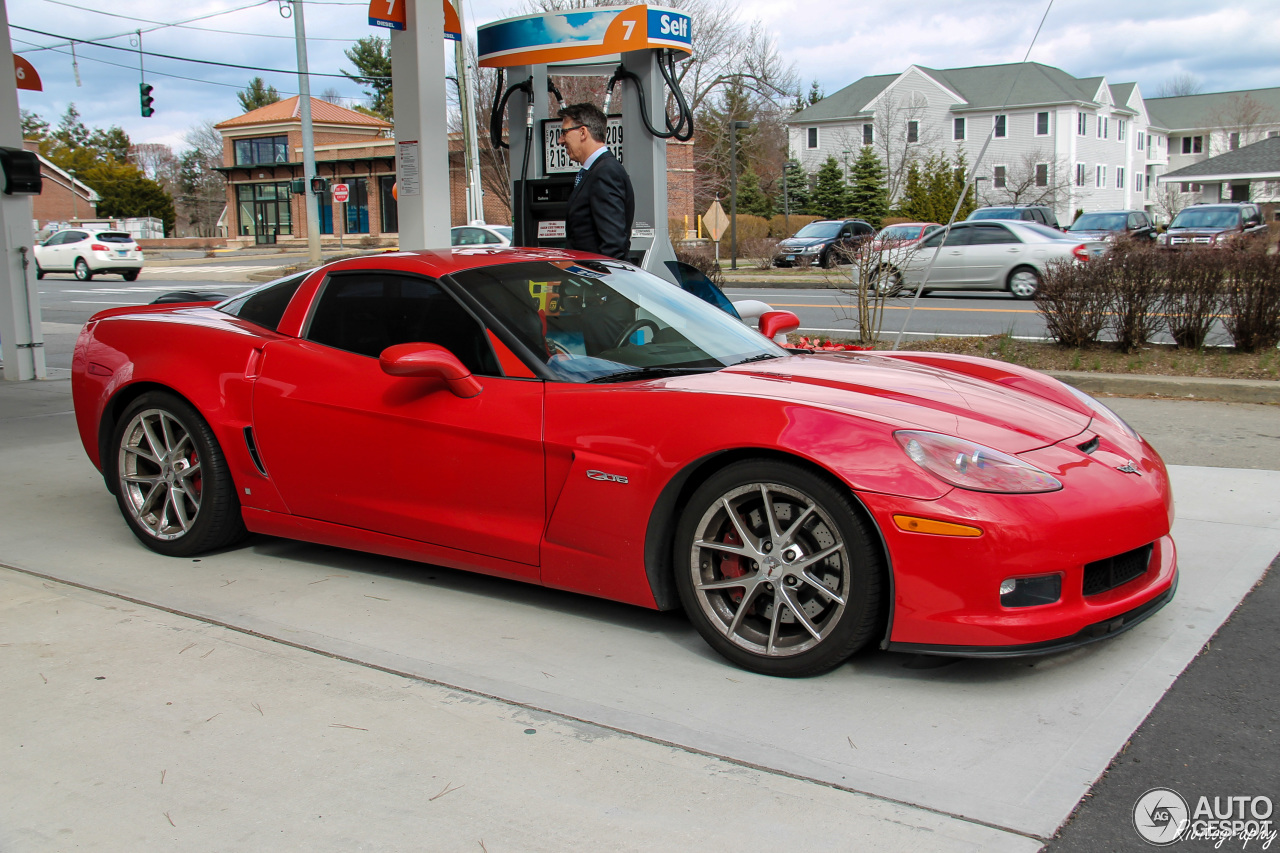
<point>828,259</point>
<point>201,511</point>
<point>130,275</point>
<point>887,280</point>
<point>1023,282</point>
<point>83,273</point>
<point>839,593</point>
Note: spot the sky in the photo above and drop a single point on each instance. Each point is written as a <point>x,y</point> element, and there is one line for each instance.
<point>1225,48</point>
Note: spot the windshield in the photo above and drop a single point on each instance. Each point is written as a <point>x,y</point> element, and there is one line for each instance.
<point>596,320</point>
<point>899,232</point>
<point>1100,222</point>
<point>818,231</point>
<point>996,213</point>
<point>1207,217</point>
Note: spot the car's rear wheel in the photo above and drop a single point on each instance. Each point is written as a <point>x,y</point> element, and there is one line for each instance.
<point>83,273</point>
<point>39,271</point>
<point>776,569</point>
<point>171,478</point>
<point>130,275</point>
<point>887,282</point>
<point>1023,282</point>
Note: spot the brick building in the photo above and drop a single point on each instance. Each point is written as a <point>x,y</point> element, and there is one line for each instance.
<point>62,198</point>
<point>262,154</point>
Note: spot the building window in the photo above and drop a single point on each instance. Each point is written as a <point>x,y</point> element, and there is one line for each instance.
<point>1042,174</point>
<point>958,131</point>
<point>1137,181</point>
<point>1235,141</point>
<point>1119,130</point>
<point>868,134</point>
<point>1001,122</point>
<point>913,131</point>
<point>387,202</point>
<point>813,137</point>
<point>1103,126</point>
<point>1192,144</point>
<point>267,149</point>
<point>1120,177</point>
<point>1082,124</point>
<point>998,177</point>
<point>264,211</point>
<point>1042,124</point>
<point>357,205</point>
<point>1100,177</point>
<point>1082,173</point>
<point>1141,140</point>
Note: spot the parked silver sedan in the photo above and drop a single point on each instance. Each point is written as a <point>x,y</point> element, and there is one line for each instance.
<point>983,255</point>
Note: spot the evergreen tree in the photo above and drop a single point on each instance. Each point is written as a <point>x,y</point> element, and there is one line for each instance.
<point>74,147</point>
<point>830,198</point>
<point>815,93</point>
<point>933,186</point>
<point>868,197</point>
<point>34,127</point>
<point>751,199</point>
<point>797,188</point>
<point>372,57</point>
<point>125,191</point>
<point>257,94</point>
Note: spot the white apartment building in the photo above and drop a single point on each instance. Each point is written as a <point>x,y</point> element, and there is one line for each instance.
<point>1073,143</point>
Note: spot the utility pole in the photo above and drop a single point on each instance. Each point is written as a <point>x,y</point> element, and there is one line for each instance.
<point>467,104</point>
<point>733,190</point>
<point>308,136</point>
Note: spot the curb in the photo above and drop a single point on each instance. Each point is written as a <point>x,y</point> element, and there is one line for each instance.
<point>1174,387</point>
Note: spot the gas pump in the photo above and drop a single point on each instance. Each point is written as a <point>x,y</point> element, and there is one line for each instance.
<point>636,48</point>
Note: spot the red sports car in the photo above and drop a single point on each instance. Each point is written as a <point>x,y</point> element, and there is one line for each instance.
<point>571,421</point>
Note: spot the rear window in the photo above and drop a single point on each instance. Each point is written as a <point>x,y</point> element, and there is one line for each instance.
<point>996,213</point>
<point>113,237</point>
<point>265,305</point>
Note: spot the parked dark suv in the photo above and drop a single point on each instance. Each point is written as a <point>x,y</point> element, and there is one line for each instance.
<point>1213,225</point>
<point>1114,224</point>
<point>1028,212</point>
<point>827,242</point>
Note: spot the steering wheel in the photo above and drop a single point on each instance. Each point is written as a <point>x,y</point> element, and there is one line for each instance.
<point>632,329</point>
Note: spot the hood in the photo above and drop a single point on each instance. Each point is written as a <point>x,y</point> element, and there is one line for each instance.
<point>798,243</point>
<point>903,394</point>
<point>1189,232</point>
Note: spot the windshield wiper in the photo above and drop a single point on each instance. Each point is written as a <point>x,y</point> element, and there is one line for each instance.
<point>764,356</point>
<point>650,373</point>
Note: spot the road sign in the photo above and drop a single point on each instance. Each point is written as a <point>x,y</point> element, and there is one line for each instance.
<point>716,220</point>
<point>340,192</point>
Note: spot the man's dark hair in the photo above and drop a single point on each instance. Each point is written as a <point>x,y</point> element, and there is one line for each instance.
<point>589,116</point>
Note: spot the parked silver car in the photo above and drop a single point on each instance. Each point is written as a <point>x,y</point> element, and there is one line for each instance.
<point>990,255</point>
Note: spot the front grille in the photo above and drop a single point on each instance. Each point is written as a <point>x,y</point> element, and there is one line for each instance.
<point>1103,575</point>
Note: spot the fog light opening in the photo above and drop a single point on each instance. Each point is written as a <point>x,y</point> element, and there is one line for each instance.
<point>1030,592</point>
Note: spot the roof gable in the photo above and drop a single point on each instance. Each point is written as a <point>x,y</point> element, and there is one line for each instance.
<point>288,110</point>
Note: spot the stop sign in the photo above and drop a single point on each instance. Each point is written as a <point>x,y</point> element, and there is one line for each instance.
<point>340,192</point>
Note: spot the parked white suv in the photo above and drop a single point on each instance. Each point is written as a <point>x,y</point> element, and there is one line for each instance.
<point>87,253</point>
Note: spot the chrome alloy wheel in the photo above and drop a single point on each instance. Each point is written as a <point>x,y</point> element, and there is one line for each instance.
<point>1023,283</point>
<point>770,570</point>
<point>160,474</point>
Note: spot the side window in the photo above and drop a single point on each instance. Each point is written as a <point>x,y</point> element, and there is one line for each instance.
<point>960,236</point>
<point>488,236</point>
<point>366,312</point>
<point>265,305</point>
<point>987,235</point>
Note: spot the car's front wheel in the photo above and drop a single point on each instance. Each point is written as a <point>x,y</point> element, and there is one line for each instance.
<point>83,273</point>
<point>1024,282</point>
<point>171,479</point>
<point>777,570</point>
<point>886,282</point>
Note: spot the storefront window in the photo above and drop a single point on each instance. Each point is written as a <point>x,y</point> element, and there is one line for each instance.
<point>263,210</point>
<point>390,211</point>
<point>264,150</point>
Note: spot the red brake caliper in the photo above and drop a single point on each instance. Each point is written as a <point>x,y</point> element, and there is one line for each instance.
<point>731,564</point>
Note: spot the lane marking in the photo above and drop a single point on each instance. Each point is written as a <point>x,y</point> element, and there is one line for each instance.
<point>918,308</point>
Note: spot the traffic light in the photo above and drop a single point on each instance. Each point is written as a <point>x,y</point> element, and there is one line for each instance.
<point>144,92</point>
<point>319,186</point>
<point>297,186</point>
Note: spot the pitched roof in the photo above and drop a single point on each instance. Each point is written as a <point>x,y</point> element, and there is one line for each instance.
<point>849,101</point>
<point>322,112</point>
<point>1204,111</point>
<point>1261,159</point>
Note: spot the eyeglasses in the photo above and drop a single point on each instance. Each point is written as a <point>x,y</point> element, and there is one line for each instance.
<point>575,127</point>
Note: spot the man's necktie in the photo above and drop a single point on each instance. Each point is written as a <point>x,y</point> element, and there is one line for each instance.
<point>578,178</point>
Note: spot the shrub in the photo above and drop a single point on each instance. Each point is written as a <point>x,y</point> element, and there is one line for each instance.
<point>760,251</point>
<point>750,227</point>
<point>1252,301</point>
<point>1135,279</point>
<point>1074,298</point>
<point>782,227</point>
<point>704,261</point>
<point>1193,294</point>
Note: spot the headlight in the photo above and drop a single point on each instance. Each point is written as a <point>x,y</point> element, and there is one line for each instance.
<point>971,466</point>
<point>811,250</point>
<point>1103,412</point>
<point>1163,239</point>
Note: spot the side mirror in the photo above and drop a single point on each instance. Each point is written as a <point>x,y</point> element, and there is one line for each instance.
<point>430,361</point>
<point>778,323</point>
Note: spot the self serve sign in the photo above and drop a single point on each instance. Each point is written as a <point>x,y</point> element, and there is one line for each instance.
<point>670,27</point>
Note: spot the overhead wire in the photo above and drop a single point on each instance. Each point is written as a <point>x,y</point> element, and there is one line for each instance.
<point>185,25</point>
<point>147,30</point>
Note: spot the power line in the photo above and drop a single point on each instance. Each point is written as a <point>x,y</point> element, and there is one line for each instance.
<point>148,30</point>
<point>184,25</point>
<point>362,77</point>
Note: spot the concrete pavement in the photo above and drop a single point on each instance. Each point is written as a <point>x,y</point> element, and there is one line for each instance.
<point>325,700</point>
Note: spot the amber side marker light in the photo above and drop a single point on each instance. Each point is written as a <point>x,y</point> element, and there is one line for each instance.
<point>912,524</point>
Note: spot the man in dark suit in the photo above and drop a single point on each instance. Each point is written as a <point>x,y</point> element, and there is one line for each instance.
<point>602,205</point>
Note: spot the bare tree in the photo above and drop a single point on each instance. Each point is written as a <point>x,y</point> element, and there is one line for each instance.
<point>201,191</point>
<point>1035,178</point>
<point>157,162</point>
<point>333,96</point>
<point>1179,85</point>
<point>901,137</point>
<point>1243,117</point>
<point>1168,199</point>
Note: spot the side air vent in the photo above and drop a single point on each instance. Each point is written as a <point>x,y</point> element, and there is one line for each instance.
<point>1090,445</point>
<point>253,450</point>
